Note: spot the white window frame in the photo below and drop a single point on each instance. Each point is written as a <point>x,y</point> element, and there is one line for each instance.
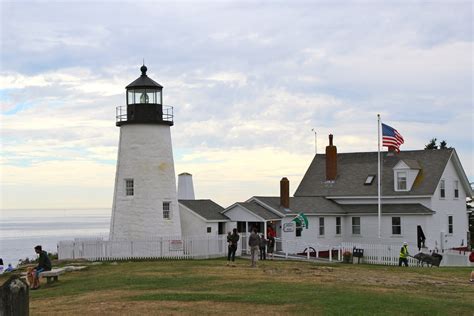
<point>129,189</point>
<point>450,226</point>
<point>456,189</point>
<point>209,229</point>
<point>321,226</point>
<point>354,225</point>
<point>398,173</point>
<point>338,226</point>
<point>442,189</point>
<point>400,225</point>
<point>298,230</point>
<point>167,210</point>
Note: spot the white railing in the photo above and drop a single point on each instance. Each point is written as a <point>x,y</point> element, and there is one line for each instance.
<point>308,250</point>
<point>299,249</point>
<point>160,248</point>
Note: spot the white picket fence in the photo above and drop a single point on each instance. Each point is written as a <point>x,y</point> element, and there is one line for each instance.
<point>389,255</point>
<point>160,248</point>
<point>199,247</point>
<point>377,253</point>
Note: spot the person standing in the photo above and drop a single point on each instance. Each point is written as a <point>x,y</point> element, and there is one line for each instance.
<point>263,247</point>
<point>233,241</point>
<point>403,255</point>
<point>271,246</point>
<point>254,243</point>
<point>44,264</point>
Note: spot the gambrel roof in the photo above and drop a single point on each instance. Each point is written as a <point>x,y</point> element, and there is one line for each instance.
<point>353,169</point>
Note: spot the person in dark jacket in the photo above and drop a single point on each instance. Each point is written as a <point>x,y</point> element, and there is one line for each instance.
<point>263,247</point>
<point>44,264</point>
<point>254,243</point>
<point>271,246</point>
<point>233,241</point>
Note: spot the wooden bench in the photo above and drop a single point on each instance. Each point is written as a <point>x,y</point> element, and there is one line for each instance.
<point>52,276</point>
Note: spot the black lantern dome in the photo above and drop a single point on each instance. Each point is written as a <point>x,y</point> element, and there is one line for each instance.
<point>144,103</point>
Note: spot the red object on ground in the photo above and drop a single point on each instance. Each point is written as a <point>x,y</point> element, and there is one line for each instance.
<point>471,256</point>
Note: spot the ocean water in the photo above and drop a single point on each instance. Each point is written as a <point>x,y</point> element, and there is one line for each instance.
<point>22,230</point>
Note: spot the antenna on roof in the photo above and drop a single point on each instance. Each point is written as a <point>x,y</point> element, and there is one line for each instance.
<point>315,141</point>
<point>143,61</point>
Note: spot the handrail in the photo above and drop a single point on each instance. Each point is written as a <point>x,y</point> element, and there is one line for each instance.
<point>121,113</point>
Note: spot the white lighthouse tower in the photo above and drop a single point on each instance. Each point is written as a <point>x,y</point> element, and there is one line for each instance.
<point>145,204</point>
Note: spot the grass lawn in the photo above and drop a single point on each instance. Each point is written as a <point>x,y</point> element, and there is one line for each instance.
<point>275,287</point>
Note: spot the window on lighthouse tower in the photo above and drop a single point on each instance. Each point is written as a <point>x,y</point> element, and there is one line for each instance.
<point>166,210</point>
<point>129,189</point>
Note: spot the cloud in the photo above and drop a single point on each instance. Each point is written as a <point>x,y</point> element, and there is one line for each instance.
<point>248,82</point>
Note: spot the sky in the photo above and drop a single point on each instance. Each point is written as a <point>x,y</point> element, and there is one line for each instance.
<point>248,80</point>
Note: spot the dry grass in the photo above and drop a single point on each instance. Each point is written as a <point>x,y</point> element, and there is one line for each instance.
<point>276,287</point>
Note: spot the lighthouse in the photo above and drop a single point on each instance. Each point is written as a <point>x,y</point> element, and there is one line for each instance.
<point>145,205</point>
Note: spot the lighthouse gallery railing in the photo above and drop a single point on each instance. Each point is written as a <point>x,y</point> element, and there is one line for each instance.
<point>121,113</point>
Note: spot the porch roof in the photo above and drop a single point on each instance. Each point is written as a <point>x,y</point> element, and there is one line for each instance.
<point>259,210</point>
<point>387,209</point>
<point>322,206</point>
<point>307,205</point>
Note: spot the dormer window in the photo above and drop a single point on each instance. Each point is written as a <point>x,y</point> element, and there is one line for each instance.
<point>405,173</point>
<point>370,179</point>
<point>401,181</point>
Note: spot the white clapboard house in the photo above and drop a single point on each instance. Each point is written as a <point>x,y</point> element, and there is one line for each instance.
<point>423,195</point>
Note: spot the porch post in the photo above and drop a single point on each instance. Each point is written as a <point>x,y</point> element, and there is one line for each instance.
<point>247,238</point>
<point>265,229</point>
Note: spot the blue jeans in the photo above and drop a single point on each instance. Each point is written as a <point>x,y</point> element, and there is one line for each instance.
<point>38,271</point>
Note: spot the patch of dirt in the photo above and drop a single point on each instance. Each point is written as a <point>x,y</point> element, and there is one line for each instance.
<point>112,303</point>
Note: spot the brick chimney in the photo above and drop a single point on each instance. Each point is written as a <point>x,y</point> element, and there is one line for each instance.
<point>285,193</point>
<point>331,161</point>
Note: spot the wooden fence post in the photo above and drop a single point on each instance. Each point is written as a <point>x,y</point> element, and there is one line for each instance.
<point>14,297</point>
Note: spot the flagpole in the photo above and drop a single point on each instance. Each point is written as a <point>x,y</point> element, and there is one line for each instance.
<point>378,177</point>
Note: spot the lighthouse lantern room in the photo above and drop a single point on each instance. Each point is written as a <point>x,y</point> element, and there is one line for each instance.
<point>145,204</point>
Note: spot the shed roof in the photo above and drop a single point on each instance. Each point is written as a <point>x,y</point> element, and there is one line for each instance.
<point>206,208</point>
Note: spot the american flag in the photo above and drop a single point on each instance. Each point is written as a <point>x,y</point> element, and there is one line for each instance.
<point>391,137</point>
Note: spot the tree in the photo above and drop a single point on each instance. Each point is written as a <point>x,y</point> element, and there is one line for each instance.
<point>431,144</point>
